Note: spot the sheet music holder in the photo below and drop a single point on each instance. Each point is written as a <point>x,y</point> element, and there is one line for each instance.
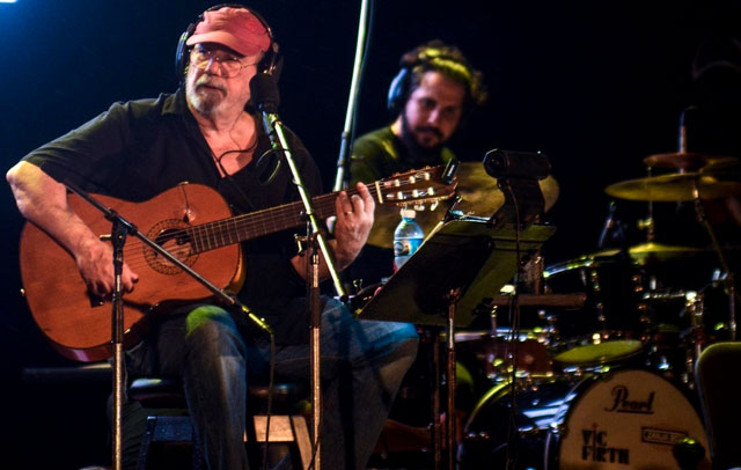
<point>469,255</point>
<point>461,263</point>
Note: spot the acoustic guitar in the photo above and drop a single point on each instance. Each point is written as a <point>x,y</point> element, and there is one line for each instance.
<point>193,223</point>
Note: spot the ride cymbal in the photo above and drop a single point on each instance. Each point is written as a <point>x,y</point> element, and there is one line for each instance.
<point>674,188</point>
<point>480,197</point>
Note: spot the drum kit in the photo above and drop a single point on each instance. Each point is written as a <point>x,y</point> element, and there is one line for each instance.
<point>601,374</point>
<point>617,389</point>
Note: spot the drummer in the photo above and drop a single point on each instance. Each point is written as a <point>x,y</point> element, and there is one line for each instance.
<point>432,95</point>
<point>716,73</point>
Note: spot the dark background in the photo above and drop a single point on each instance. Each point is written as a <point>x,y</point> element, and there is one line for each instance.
<point>597,86</point>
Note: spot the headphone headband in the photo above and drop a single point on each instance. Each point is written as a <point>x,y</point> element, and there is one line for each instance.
<point>269,64</point>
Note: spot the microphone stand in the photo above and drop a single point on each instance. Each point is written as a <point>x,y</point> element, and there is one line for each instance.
<point>121,228</point>
<point>317,242</point>
<point>339,183</point>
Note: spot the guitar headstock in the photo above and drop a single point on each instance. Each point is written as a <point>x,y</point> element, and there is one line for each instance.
<point>424,186</point>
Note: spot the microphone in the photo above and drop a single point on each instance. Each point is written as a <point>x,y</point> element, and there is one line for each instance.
<point>507,164</point>
<point>264,92</point>
<point>609,225</point>
<point>264,95</point>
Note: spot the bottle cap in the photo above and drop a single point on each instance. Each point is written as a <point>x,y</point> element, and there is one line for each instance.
<point>408,213</point>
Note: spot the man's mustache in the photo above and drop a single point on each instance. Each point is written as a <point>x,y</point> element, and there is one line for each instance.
<point>433,130</point>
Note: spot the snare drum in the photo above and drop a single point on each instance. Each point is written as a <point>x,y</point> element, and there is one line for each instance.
<point>492,357</point>
<point>609,353</point>
<point>628,419</point>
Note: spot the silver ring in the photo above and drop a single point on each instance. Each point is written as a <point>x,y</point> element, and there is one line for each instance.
<point>348,213</point>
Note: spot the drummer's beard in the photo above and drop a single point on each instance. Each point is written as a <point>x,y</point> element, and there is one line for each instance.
<point>418,152</point>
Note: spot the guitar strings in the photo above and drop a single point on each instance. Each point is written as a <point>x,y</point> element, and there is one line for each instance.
<point>224,232</point>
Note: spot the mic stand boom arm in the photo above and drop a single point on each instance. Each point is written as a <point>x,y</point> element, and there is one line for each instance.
<point>345,143</point>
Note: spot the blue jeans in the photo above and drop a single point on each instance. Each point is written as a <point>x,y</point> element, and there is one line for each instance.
<point>363,364</point>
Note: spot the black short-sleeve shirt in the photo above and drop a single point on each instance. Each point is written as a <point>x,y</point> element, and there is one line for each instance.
<point>138,149</point>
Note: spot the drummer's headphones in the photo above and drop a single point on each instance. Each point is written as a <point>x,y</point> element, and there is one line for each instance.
<point>270,62</point>
<point>434,55</point>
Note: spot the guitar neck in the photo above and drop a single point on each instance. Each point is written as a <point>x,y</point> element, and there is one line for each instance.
<point>244,227</point>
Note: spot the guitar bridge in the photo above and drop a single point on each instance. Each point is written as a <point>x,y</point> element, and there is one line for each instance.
<point>96,300</point>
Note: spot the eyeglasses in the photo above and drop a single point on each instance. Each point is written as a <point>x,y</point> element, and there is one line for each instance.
<point>229,65</point>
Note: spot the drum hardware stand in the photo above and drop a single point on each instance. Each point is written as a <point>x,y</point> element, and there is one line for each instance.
<point>695,308</point>
<point>120,229</point>
<point>450,378</point>
<point>730,283</point>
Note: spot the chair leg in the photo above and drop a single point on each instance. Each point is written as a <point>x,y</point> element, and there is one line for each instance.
<point>146,443</point>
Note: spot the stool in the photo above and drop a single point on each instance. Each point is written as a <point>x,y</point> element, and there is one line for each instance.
<point>287,426</point>
<point>156,395</point>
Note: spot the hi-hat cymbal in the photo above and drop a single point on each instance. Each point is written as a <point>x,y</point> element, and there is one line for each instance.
<point>684,161</point>
<point>674,187</point>
<point>480,196</point>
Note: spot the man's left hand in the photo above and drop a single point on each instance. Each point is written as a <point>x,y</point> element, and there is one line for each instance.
<point>354,222</point>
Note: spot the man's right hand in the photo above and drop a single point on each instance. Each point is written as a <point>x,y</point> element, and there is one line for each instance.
<point>95,262</point>
<point>43,201</point>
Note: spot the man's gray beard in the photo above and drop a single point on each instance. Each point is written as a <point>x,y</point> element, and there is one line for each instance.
<point>206,107</point>
<point>203,104</point>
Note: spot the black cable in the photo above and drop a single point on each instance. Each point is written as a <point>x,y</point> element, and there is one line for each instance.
<point>514,306</point>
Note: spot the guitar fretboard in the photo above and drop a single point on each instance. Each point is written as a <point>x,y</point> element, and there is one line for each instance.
<point>244,227</point>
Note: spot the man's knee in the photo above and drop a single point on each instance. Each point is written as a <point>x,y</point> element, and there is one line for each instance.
<point>211,325</point>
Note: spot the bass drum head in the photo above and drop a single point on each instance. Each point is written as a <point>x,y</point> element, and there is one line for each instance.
<point>624,419</point>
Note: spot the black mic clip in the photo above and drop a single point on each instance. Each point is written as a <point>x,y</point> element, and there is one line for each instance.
<point>508,164</point>
<point>517,175</point>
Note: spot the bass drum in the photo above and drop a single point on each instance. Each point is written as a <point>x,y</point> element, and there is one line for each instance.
<point>626,419</point>
<point>494,434</point>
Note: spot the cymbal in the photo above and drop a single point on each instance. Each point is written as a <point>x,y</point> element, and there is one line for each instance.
<point>651,251</point>
<point>642,254</point>
<point>685,161</point>
<point>674,187</point>
<point>480,196</point>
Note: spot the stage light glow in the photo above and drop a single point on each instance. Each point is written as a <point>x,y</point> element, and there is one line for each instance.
<point>7,1</point>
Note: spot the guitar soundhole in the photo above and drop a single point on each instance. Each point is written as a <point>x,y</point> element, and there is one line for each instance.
<point>172,235</point>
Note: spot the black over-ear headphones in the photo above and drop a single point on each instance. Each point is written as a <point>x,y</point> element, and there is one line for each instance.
<point>430,57</point>
<point>270,63</point>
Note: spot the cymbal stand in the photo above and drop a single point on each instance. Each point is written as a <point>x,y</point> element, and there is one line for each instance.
<point>729,278</point>
<point>648,223</point>
<point>695,308</point>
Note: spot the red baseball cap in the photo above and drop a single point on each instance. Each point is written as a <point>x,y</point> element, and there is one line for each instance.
<point>237,28</point>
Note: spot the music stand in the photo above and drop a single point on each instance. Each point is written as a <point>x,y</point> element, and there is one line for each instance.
<point>461,263</point>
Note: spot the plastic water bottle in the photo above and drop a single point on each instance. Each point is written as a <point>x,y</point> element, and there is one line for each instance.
<point>408,236</point>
